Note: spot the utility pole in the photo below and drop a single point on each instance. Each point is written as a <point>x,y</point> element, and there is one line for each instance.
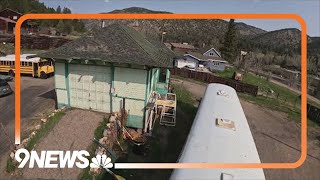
<point>162,36</point>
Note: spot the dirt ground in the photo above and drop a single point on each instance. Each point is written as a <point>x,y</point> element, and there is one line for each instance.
<point>37,99</point>
<point>75,131</point>
<point>277,138</point>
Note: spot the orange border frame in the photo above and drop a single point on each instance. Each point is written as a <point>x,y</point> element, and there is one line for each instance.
<point>181,16</point>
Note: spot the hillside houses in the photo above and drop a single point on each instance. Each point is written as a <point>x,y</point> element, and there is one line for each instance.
<point>210,59</point>
<point>8,19</point>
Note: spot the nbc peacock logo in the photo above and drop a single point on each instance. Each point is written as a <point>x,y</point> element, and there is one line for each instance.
<point>101,161</point>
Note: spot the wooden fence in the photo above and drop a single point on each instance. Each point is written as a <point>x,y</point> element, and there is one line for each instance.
<point>210,78</point>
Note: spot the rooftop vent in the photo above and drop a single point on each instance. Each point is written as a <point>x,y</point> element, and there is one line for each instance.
<point>223,93</point>
<point>225,123</point>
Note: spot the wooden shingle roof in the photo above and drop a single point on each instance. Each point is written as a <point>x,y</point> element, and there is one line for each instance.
<point>116,44</point>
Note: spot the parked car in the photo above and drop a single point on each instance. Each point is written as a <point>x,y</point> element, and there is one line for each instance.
<point>5,88</point>
<point>6,77</point>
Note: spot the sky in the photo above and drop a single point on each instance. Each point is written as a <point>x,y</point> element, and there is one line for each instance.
<point>309,10</point>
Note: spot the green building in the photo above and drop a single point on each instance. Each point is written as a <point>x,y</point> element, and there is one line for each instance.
<point>107,67</point>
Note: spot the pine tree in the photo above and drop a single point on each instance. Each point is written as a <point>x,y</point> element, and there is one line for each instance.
<point>58,9</point>
<point>229,49</point>
<point>60,25</point>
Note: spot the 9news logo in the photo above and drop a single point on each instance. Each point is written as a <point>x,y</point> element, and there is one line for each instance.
<point>59,159</point>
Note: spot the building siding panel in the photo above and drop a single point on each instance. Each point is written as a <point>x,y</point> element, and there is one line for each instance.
<point>130,84</point>
<point>90,87</point>
<point>62,97</point>
<point>60,82</point>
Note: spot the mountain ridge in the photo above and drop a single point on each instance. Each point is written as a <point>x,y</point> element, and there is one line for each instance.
<point>205,33</point>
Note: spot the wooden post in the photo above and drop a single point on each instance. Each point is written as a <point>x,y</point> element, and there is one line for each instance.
<point>146,120</point>
<point>122,119</point>
<point>6,29</point>
<point>151,120</point>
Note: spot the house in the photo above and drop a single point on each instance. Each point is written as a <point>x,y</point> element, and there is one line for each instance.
<point>6,25</point>
<point>212,53</point>
<point>8,19</point>
<point>10,14</point>
<point>216,64</point>
<point>111,68</point>
<point>180,47</point>
<point>215,61</point>
<point>192,60</point>
<point>188,60</point>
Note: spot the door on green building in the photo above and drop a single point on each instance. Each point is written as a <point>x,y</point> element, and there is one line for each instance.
<point>90,87</point>
<point>163,81</point>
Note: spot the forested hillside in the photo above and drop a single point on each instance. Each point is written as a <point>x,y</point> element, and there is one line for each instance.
<point>280,47</point>
<point>34,6</point>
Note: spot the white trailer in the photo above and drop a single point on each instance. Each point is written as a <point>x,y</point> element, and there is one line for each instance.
<point>220,134</point>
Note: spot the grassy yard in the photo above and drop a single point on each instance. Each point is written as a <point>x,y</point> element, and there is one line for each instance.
<point>287,100</point>
<point>265,86</point>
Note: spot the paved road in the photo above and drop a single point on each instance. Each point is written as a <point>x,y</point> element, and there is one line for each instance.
<point>37,97</point>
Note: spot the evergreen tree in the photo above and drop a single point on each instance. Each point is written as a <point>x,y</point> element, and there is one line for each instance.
<point>58,9</point>
<point>60,25</point>
<point>229,49</point>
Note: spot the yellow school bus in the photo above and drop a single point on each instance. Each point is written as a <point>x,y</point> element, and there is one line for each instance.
<point>30,64</point>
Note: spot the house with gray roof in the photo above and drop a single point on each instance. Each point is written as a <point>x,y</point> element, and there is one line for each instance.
<point>192,60</point>
<point>111,68</point>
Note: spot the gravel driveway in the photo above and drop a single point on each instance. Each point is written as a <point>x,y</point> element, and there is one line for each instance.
<point>74,131</point>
